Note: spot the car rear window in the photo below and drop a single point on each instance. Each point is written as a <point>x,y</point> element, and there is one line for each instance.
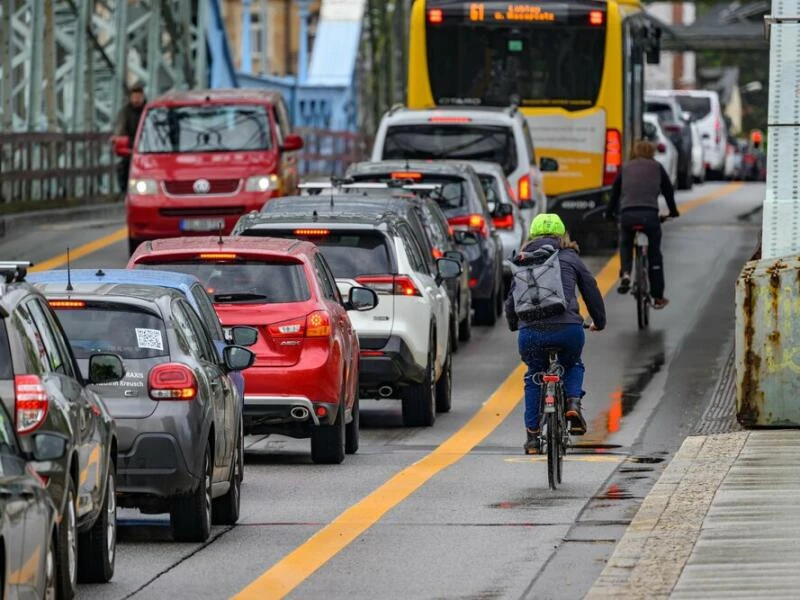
<point>349,254</point>
<point>452,194</point>
<point>698,107</point>
<point>245,281</point>
<point>6,371</point>
<point>128,332</point>
<point>490,143</point>
<point>661,110</point>
<point>491,188</point>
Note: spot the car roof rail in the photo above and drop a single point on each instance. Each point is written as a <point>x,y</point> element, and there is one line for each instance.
<point>14,271</point>
<point>395,108</point>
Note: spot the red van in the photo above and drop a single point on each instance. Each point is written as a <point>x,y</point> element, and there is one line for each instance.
<point>202,159</point>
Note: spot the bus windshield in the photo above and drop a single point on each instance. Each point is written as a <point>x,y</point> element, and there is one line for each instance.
<point>551,63</point>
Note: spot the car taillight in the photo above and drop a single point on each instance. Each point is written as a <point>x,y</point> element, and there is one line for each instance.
<point>473,222</point>
<point>662,147</point>
<point>672,128</point>
<point>524,188</point>
<point>613,157</point>
<point>506,222</point>
<point>318,324</point>
<point>398,285</point>
<point>172,381</point>
<point>436,252</point>
<point>435,16</point>
<point>31,402</point>
<point>511,194</point>
<point>717,129</point>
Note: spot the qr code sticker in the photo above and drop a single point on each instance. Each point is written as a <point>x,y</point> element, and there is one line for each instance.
<point>149,338</point>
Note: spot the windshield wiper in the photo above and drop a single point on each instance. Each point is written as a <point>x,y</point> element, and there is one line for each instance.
<point>240,297</point>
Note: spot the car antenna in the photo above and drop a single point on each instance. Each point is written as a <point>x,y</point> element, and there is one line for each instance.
<point>219,232</point>
<point>315,216</point>
<point>69,274</point>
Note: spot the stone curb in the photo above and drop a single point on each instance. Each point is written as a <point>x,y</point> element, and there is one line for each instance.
<point>15,226</point>
<point>649,558</point>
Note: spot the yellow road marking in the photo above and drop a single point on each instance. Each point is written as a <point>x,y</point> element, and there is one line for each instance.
<point>706,198</point>
<point>81,251</point>
<point>297,566</point>
<point>592,458</point>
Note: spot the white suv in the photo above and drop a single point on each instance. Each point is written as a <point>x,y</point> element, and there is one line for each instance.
<point>404,341</point>
<point>488,134</point>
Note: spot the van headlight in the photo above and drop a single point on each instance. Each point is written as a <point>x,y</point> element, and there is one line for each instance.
<point>262,183</point>
<point>142,187</point>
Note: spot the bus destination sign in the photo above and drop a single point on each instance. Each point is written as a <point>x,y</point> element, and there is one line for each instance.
<point>509,11</point>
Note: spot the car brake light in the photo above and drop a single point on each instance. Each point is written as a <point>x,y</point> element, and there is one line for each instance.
<point>318,324</point>
<point>524,187</point>
<point>506,222</point>
<point>55,304</point>
<point>406,175</point>
<point>449,120</point>
<point>312,232</point>
<point>437,253</point>
<point>595,17</point>
<point>472,222</point>
<point>31,402</point>
<point>613,158</point>
<point>398,285</point>
<point>672,128</point>
<point>662,147</point>
<point>172,381</point>
<point>218,256</point>
<point>435,16</point>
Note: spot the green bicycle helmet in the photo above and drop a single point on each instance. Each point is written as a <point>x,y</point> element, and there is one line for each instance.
<point>547,224</point>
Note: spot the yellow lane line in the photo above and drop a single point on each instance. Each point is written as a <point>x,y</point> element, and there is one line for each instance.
<point>297,566</point>
<point>81,251</point>
<point>706,198</point>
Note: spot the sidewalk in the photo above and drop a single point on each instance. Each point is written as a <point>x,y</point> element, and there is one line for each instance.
<point>723,521</point>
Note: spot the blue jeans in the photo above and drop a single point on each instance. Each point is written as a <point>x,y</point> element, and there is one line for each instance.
<point>532,343</point>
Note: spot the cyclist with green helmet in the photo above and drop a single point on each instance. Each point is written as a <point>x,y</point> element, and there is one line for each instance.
<point>563,330</point>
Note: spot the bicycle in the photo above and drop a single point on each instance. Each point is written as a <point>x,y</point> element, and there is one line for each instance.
<point>554,438</point>
<point>640,288</point>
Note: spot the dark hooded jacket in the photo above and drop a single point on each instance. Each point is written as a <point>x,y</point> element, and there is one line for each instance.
<point>574,277</point>
<point>128,120</point>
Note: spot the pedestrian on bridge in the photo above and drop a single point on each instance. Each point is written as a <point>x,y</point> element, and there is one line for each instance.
<point>127,125</point>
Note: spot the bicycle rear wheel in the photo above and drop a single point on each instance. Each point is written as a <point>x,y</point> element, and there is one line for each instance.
<point>563,434</point>
<point>642,291</point>
<point>553,450</point>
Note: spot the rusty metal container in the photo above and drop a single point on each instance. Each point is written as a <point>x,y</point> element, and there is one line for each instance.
<point>768,343</point>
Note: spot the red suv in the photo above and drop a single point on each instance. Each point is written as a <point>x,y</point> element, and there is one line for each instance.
<point>304,382</point>
<point>202,159</point>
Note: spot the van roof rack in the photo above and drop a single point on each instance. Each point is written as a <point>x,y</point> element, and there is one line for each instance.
<point>14,271</point>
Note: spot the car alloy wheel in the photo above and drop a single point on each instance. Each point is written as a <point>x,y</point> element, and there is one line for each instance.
<point>111,520</point>
<point>50,571</point>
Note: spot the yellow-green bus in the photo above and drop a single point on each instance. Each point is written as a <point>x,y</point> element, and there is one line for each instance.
<point>575,68</point>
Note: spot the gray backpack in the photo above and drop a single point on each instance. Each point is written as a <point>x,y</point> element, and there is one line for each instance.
<point>538,291</point>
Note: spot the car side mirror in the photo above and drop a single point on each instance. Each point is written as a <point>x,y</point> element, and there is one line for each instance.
<point>242,335</point>
<point>105,368</point>
<point>122,145</point>
<point>237,358</point>
<point>48,446</point>
<point>548,165</point>
<point>361,299</point>
<point>447,268</point>
<point>292,142</point>
<point>468,238</point>
<point>502,210</point>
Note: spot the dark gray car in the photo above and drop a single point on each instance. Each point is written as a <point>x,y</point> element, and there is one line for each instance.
<point>41,384</point>
<point>178,416</point>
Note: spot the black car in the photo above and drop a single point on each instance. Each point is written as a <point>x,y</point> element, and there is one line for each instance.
<point>179,417</point>
<point>679,130</point>
<point>42,385</point>
<point>27,514</point>
<point>463,202</point>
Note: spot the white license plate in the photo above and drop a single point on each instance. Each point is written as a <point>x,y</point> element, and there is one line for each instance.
<point>202,224</point>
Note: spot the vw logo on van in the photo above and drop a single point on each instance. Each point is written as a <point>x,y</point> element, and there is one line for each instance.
<point>201,186</point>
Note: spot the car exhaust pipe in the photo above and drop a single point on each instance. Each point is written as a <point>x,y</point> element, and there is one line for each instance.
<point>385,391</point>
<point>299,413</point>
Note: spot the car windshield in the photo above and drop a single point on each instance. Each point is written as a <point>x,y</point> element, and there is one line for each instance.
<point>349,254</point>
<point>216,128</point>
<point>128,332</point>
<point>489,143</point>
<point>660,109</point>
<point>245,281</point>
<point>698,107</point>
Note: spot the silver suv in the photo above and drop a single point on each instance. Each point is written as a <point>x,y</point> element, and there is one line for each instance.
<point>495,135</point>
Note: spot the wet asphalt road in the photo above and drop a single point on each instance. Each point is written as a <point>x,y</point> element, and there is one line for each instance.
<point>487,526</point>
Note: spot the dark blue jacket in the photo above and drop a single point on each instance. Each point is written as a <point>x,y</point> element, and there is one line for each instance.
<point>574,277</point>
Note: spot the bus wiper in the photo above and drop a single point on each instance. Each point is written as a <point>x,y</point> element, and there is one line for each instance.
<point>240,297</point>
